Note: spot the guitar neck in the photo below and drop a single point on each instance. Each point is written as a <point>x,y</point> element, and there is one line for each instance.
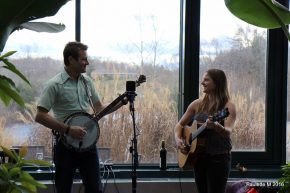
<point>218,117</point>
<point>198,131</point>
<point>107,109</point>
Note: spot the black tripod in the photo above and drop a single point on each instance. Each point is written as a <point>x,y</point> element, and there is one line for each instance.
<point>130,93</point>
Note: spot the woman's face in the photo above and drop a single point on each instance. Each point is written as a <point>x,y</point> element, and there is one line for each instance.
<point>207,83</point>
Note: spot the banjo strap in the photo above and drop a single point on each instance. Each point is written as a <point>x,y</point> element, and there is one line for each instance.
<point>89,94</point>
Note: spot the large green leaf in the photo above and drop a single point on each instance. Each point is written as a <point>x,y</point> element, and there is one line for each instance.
<point>262,13</point>
<point>14,172</point>
<point>8,89</point>
<point>7,55</point>
<point>6,93</point>
<point>13,13</point>
<point>27,178</point>
<point>37,163</point>
<point>13,69</point>
<point>4,174</point>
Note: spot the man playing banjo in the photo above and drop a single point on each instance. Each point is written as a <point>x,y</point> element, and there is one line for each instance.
<point>72,93</point>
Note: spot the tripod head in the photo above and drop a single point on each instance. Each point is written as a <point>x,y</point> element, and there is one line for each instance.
<point>130,90</point>
<point>131,87</point>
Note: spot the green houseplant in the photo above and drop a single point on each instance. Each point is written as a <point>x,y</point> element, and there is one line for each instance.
<point>262,13</point>
<point>8,88</point>
<point>285,179</point>
<point>16,15</point>
<point>13,179</point>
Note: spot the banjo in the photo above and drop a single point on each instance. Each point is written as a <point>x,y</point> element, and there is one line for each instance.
<point>90,123</point>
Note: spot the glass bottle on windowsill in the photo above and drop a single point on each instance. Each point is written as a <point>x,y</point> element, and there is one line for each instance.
<point>163,152</point>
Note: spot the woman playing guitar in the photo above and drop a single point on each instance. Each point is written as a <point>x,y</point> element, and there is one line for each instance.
<point>212,161</point>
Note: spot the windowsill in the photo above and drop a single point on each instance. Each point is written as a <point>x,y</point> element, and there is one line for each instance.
<point>157,185</point>
<point>153,172</point>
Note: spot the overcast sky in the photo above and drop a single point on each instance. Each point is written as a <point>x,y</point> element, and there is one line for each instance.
<point>110,27</point>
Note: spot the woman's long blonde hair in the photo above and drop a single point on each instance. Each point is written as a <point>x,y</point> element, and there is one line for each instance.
<point>221,94</point>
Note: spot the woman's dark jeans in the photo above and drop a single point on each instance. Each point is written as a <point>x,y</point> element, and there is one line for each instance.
<point>211,172</point>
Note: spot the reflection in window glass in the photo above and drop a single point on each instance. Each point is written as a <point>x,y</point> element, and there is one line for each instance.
<point>125,39</point>
<point>230,44</point>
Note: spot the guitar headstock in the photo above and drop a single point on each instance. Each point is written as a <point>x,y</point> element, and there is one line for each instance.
<point>141,79</point>
<point>220,115</point>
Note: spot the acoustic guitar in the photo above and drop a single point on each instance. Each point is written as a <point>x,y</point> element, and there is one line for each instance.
<point>186,161</point>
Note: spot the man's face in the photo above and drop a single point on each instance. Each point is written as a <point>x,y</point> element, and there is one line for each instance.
<point>79,65</point>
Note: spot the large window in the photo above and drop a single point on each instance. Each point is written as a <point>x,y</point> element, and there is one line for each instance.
<point>129,38</point>
<point>125,39</point>
<point>239,49</point>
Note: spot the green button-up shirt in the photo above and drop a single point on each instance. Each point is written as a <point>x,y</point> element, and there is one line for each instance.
<point>65,96</point>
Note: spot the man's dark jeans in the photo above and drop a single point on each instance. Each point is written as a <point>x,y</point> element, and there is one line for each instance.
<point>67,161</point>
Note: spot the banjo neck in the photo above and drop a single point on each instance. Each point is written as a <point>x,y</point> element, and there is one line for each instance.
<point>107,109</point>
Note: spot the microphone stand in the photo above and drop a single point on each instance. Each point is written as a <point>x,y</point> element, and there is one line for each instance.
<point>131,94</point>
<point>133,149</point>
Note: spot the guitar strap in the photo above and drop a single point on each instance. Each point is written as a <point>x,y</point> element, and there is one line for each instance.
<point>89,94</point>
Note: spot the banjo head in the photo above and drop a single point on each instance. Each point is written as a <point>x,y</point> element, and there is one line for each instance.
<point>89,141</point>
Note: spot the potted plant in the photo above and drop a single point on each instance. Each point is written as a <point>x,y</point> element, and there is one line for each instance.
<point>15,15</point>
<point>285,179</point>
<point>13,179</point>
